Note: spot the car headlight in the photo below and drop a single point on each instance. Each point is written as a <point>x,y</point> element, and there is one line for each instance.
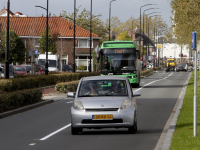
<point>78,105</point>
<point>126,104</point>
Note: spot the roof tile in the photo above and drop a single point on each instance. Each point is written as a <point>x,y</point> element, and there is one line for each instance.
<point>34,26</point>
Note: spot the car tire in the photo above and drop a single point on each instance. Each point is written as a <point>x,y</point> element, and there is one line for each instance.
<point>75,131</point>
<point>133,129</point>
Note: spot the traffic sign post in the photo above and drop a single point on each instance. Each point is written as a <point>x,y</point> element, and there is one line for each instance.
<point>194,47</point>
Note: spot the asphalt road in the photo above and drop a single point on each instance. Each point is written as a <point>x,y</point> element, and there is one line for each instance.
<point>48,127</point>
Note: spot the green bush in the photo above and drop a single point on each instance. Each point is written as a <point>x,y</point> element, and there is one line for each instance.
<point>65,87</point>
<point>81,67</point>
<point>14,84</point>
<point>18,99</point>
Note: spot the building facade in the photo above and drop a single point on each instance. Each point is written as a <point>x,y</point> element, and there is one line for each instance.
<point>30,29</point>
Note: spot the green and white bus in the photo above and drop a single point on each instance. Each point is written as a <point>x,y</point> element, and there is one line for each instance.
<point>120,58</point>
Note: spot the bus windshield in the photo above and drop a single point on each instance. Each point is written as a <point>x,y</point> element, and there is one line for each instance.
<point>118,62</point>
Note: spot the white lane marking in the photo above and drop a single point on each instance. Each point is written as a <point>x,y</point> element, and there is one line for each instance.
<point>32,144</point>
<point>46,137</point>
<point>154,81</point>
<point>70,102</point>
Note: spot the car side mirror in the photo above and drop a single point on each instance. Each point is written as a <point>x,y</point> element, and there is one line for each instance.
<point>71,94</point>
<point>136,93</point>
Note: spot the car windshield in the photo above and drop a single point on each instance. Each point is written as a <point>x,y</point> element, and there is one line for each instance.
<point>98,88</point>
<point>19,68</point>
<point>170,61</point>
<point>181,65</point>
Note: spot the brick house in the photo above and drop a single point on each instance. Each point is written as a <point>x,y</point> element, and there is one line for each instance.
<point>29,30</point>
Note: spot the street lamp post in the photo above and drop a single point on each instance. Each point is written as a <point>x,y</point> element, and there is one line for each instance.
<point>46,64</point>
<point>7,52</point>
<point>147,30</point>
<point>110,16</point>
<point>155,39</point>
<point>90,35</point>
<point>74,63</point>
<point>143,31</point>
<point>148,33</point>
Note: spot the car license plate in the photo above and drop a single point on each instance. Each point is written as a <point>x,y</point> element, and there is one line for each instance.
<point>102,117</point>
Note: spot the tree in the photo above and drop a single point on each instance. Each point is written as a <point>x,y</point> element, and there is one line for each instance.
<point>83,20</point>
<point>52,38</point>
<point>16,48</point>
<point>185,19</point>
<point>124,36</point>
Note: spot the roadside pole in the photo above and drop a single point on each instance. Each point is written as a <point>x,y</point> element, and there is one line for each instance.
<point>194,47</point>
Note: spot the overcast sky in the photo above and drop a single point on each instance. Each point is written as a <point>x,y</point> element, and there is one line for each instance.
<point>123,9</point>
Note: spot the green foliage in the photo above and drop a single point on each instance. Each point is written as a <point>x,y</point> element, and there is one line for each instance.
<point>185,19</point>
<point>124,36</point>
<point>29,82</point>
<point>51,42</point>
<point>18,99</point>
<point>65,87</point>
<point>16,48</point>
<point>81,67</point>
<point>83,20</point>
<point>183,138</point>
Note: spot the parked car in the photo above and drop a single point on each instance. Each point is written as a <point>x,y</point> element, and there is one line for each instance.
<point>181,67</point>
<point>17,69</point>
<point>10,71</point>
<point>39,69</point>
<point>28,67</point>
<point>105,108</point>
<point>66,68</point>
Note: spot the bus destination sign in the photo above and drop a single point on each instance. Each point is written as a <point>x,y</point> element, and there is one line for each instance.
<point>117,51</point>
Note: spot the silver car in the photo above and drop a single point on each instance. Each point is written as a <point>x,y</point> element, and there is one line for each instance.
<point>104,102</point>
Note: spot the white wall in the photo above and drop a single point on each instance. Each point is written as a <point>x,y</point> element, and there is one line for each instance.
<point>173,50</point>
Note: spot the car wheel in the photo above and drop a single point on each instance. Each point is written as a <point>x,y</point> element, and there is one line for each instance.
<point>75,131</point>
<point>133,129</point>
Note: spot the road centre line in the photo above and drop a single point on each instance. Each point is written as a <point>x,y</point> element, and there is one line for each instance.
<point>48,136</point>
<point>154,81</point>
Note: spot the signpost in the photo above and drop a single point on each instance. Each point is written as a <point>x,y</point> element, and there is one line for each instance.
<point>194,47</point>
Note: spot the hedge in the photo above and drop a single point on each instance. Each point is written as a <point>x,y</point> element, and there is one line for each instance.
<point>13,100</point>
<point>14,84</point>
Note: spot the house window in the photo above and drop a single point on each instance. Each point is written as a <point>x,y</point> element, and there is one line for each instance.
<point>83,43</point>
<point>37,43</point>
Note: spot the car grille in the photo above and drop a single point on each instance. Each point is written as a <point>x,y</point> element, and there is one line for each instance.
<point>102,109</point>
<point>90,121</point>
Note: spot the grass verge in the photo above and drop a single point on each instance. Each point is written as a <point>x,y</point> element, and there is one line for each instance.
<point>183,136</point>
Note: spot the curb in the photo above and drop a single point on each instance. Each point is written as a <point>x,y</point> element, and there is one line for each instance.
<point>19,110</point>
<point>164,141</point>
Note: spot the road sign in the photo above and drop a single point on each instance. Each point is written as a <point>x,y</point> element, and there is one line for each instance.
<point>159,46</point>
<point>194,39</point>
<point>155,57</point>
<point>36,51</point>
